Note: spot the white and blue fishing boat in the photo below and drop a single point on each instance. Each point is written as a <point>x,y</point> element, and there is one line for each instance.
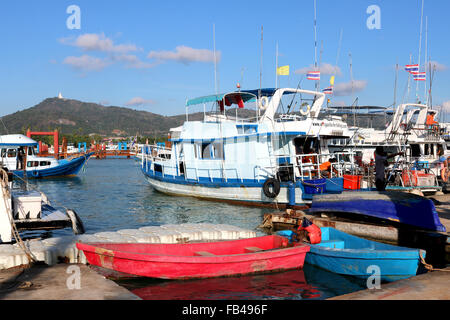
<point>18,155</point>
<point>273,158</point>
<point>345,254</point>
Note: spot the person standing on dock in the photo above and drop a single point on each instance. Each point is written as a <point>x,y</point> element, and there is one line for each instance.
<point>381,162</point>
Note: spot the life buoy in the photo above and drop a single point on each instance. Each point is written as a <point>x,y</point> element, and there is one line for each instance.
<point>314,234</point>
<point>305,113</point>
<point>263,103</point>
<point>444,174</point>
<point>271,188</point>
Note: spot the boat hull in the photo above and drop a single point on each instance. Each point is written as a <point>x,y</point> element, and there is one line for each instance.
<point>345,254</point>
<point>398,207</point>
<point>65,168</point>
<point>242,192</point>
<point>199,260</point>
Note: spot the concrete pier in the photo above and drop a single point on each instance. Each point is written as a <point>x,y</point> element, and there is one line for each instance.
<point>63,249</point>
<point>430,286</point>
<point>55,283</point>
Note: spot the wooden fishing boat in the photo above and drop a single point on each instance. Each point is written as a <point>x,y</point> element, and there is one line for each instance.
<point>392,207</point>
<point>345,254</point>
<point>198,260</point>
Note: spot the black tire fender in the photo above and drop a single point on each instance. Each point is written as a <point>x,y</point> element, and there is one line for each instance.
<point>271,188</point>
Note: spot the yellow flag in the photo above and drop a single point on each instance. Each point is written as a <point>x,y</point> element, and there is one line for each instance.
<point>332,81</point>
<point>283,71</point>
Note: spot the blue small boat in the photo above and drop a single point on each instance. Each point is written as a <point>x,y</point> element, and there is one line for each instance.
<point>18,155</point>
<point>394,207</point>
<point>345,254</point>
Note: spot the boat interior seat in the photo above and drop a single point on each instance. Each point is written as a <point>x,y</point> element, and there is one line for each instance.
<point>333,244</point>
<point>204,254</point>
<point>252,249</point>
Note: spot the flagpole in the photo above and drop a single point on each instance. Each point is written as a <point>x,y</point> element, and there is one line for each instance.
<point>215,60</point>
<point>409,77</point>
<point>315,40</point>
<point>276,70</point>
<point>261,66</point>
<point>426,58</point>
<point>420,48</point>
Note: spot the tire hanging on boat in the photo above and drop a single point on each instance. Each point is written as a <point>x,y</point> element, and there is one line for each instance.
<point>35,174</point>
<point>271,188</point>
<point>77,224</point>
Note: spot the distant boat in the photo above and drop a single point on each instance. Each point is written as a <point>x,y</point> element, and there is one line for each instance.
<point>197,260</point>
<point>398,207</point>
<point>18,150</point>
<point>345,254</point>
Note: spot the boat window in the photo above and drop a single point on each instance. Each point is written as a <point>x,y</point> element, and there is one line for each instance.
<point>3,153</point>
<point>246,129</point>
<point>12,153</point>
<point>31,164</point>
<point>195,151</point>
<point>440,150</point>
<point>31,151</point>
<point>427,149</point>
<point>218,150</point>
<point>212,150</point>
<point>306,145</point>
<point>415,150</point>
<point>45,163</point>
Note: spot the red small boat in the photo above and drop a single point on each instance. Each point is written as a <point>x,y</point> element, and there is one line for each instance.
<point>198,260</point>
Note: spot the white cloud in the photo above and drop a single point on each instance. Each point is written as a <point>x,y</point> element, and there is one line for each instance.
<point>185,55</point>
<point>132,61</point>
<point>99,42</point>
<point>347,88</point>
<point>437,66</point>
<point>445,106</point>
<point>139,102</point>
<point>86,63</point>
<point>325,69</point>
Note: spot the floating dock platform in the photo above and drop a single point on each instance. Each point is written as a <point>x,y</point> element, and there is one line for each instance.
<point>56,250</point>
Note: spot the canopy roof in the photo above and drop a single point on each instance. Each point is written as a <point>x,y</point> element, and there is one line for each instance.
<point>234,97</point>
<point>17,140</point>
<point>357,108</point>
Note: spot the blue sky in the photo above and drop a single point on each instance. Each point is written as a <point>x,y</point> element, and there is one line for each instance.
<point>153,55</point>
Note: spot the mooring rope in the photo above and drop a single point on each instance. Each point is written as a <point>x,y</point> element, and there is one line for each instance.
<point>429,266</point>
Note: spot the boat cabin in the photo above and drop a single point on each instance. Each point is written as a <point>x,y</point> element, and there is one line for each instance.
<point>18,152</point>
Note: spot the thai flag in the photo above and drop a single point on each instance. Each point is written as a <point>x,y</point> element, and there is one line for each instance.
<point>328,90</point>
<point>420,76</point>
<point>412,68</point>
<point>313,75</point>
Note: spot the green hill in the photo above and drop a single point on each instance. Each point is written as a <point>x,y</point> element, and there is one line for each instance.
<point>82,118</point>
<point>74,117</point>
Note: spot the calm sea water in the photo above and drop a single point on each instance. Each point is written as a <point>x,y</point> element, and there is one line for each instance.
<point>112,194</point>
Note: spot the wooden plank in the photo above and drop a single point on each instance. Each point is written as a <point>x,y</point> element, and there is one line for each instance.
<point>253,249</point>
<point>204,254</point>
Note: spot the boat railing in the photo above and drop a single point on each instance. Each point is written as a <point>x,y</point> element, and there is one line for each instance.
<point>311,166</point>
<point>414,174</point>
<point>156,152</point>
